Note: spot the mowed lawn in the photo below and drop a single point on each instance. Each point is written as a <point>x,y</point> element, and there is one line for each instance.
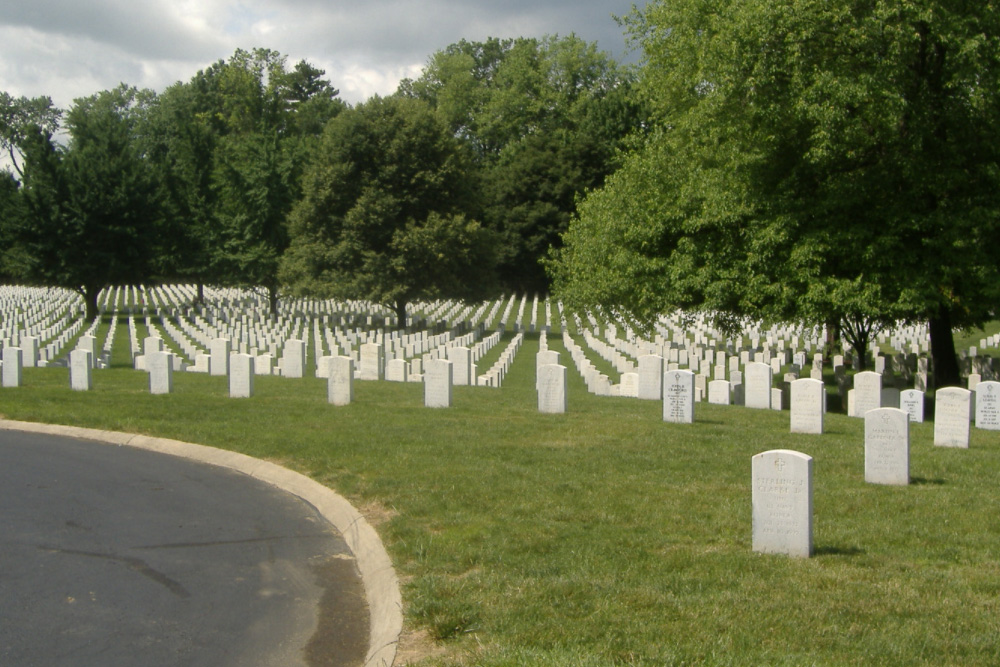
<point>606,536</point>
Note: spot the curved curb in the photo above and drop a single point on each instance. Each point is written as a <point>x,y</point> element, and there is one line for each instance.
<point>385,603</point>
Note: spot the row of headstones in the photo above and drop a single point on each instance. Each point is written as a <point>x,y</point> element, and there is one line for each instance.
<point>35,311</point>
<point>175,296</point>
<point>400,345</point>
<point>438,378</point>
<point>954,405</point>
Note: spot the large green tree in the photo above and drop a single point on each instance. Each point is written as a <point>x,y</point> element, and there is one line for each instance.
<point>272,117</point>
<point>545,118</point>
<point>183,134</point>
<point>92,215</point>
<point>386,212</point>
<point>826,160</point>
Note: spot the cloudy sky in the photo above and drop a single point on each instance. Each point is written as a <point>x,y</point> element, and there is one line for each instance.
<point>74,48</point>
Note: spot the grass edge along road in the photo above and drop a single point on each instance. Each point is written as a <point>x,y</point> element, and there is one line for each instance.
<point>606,536</point>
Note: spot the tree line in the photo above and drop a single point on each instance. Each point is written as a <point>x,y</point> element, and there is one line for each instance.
<point>255,173</point>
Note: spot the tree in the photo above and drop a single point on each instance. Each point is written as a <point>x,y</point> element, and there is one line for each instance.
<point>272,117</point>
<point>820,161</point>
<point>12,214</point>
<point>92,212</point>
<point>17,118</point>
<point>184,132</point>
<point>385,213</point>
<point>546,119</point>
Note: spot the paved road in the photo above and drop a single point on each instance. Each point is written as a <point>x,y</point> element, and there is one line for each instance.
<point>113,555</point>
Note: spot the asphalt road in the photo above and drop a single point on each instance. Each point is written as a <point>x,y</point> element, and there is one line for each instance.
<point>112,555</point>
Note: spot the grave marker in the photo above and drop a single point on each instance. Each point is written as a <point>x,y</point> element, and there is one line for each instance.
<point>340,385</point>
<point>988,405</point>
<point>678,396</point>
<point>81,370</point>
<point>867,393</point>
<point>651,377</point>
<point>951,417</point>
<point>241,374</point>
<point>887,446</point>
<point>293,358</point>
<point>437,383</point>
<point>160,366</point>
<point>719,392</point>
<point>219,351</point>
<point>12,365</point>
<point>782,503</point>
<point>461,368</point>
<point>757,385</point>
<point>808,398</point>
<point>371,362</point>
<point>911,401</point>
<point>551,383</point>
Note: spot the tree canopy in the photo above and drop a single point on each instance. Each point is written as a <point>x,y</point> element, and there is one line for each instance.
<point>386,211</point>
<point>18,118</point>
<point>821,161</point>
<point>545,119</point>
<point>91,214</point>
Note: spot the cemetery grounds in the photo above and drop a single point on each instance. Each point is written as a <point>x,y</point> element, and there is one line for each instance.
<point>602,536</point>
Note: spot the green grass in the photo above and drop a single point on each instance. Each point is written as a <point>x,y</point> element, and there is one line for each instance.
<point>606,536</point>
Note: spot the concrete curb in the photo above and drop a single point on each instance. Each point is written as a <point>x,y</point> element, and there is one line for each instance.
<point>385,603</point>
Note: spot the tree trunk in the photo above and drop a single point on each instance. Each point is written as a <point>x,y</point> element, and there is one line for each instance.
<point>858,334</point>
<point>200,298</point>
<point>832,339</point>
<point>90,294</point>
<point>272,300</point>
<point>400,309</point>
<point>943,351</point>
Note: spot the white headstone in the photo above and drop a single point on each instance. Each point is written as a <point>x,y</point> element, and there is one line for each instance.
<point>719,392</point>
<point>951,417</point>
<point>340,386</point>
<point>371,362</point>
<point>461,365</point>
<point>396,370</point>
<point>161,372</point>
<point>241,374</point>
<point>293,358</point>
<point>437,383</point>
<point>29,351</point>
<point>651,377</point>
<point>219,364</point>
<point>988,405</point>
<point>546,357</point>
<point>806,403</point>
<point>151,344</point>
<point>911,401</point>
<point>12,364</point>
<point>81,370</point>
<point>89,343</point>
<point>678,396</point>
<point>887,446</point>
<point>782,503</point>
<point>757,385</point>
<point>867,393</point>
<point>629,386</point>
<point>552,394</point>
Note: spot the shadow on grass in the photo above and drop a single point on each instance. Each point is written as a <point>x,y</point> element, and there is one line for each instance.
<point>931,482</point>
<point>830,550</point>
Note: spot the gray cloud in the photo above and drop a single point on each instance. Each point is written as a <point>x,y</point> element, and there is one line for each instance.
<point>67,48</point>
